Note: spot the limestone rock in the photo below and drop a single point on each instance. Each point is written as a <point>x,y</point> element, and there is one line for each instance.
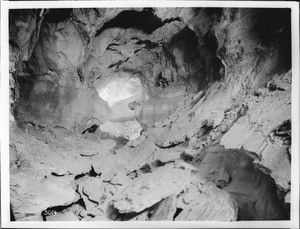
<point>60,46</point>
<point>93,187</point>
<point>211,204</point>
<point>234,172</point>
<point>150,188</point>
<point>165,210</point>
<point>254,132</point>
<point>91,20</point>
<point>279,163</point>
<point>121,179</point>
<point>35,195</point>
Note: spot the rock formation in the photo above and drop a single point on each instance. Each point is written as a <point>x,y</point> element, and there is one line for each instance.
<point>211,139</point>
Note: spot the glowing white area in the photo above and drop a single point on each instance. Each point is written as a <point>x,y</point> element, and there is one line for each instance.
<point>120,89</point>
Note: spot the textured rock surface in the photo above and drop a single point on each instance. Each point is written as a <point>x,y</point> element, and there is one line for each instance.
<point>209,204</point>
<point>233,171</point>
<point>165,210</point>
<point>148,189</point>
<point>215,88</point>
<point>256,131</point>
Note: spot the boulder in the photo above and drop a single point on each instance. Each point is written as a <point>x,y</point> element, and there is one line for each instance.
<point>150,188</point>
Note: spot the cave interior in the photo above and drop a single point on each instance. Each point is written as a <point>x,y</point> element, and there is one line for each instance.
<point>137,114</point>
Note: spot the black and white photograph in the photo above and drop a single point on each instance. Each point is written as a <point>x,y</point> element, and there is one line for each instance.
<point>141,112</point>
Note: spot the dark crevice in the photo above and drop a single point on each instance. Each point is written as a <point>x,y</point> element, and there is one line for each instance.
<point>178,210</point>
<point>186,41</point>
<point>57,175</point>
<point>111,183</point>
<point>92,172</point>
<point>169,20</point>
<point>148,44</point>
<point>214,66</point>
<point>87,196</point>
<point>91,129</point>
<point>132,175</point>
<point>79,176</point>
<point>284,128</point>
<point>273,87</point>
<point>206,129</point>
<point>58,15</point>
<point>186,157</point>
<point>112,46</point>
<point>136,51</point>
<point>169,146</point>
<point>117,65</point>
<point>157,163</point>
<point>145,168</point>
<point>160,81</point>
<point>88,155</point>
<point>283,131</point>
<point>12,216</point>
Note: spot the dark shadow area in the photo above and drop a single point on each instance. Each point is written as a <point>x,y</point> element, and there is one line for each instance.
<point>144,20</point>
<point>272,27</point>
<point>256,193</point>
<point>91,129</point>
<point>178,210</point>
<point>214,69</point>
<point>58,15</point>
<point>12,216</point>
<point>186,41</point>
<point>199,59</point>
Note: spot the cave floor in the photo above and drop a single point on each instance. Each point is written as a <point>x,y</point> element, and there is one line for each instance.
<point>67,176</point>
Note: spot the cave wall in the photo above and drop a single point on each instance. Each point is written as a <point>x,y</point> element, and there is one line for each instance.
<point>71,51</point>
<point>236,56</point>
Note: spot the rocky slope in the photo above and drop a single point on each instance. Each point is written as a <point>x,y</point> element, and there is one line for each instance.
<point>210,139</point>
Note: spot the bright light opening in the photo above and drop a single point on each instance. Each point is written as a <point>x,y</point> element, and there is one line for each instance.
<point>119,89</point>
